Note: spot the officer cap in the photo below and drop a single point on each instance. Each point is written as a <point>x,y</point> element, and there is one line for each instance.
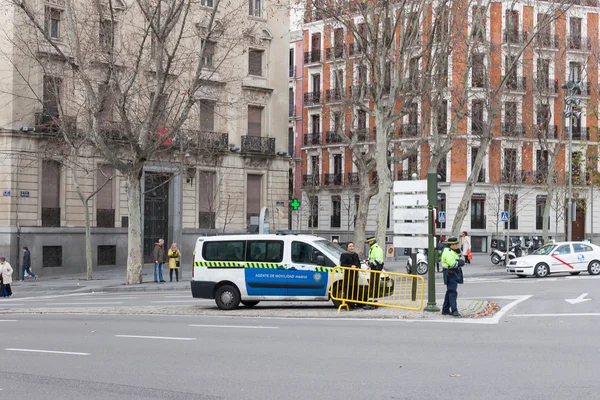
<point>453,240</point>
<point>371,239</point>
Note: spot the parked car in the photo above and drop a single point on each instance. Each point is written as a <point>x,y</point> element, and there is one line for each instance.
<point>560,257</point>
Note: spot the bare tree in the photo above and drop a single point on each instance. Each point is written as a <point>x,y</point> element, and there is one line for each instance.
<point>150,62</point>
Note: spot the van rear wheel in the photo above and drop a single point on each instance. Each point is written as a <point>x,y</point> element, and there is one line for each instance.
<point>227,297</point>
<point>250,303</point>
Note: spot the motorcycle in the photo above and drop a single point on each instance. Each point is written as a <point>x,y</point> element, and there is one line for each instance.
<point>421,263</point>
<point>498,256</point>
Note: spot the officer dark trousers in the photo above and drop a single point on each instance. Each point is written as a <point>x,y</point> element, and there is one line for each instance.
<point>451,294</point>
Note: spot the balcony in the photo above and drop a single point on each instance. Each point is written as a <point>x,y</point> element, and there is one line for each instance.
<point>105,218</point>
<point>258,145</point>
<point>50,217</point>
<point>512,176</point>
<point>334,53</point>
<point>516,83</point>
<point>333,95</point>
<point>548,132</point>
<point>358,90</point>
<point>311,180</point>
<point>312,98</point>
<point>332,137</point>
<point>51,123</point>
<point>312,139</point>
<point>352,179</point>
<point>111,130</point>
<point>540,176</point>
<point>514,37</point>
<point>513,130</point>
<point>513,221</point>
<point>546,41</point>
<point>581,133</point>
<point>409,130</point>
<point>215,141</point>
<point>292,71</point>
<point>362,135</point>
<point>546,86</point>
<point>478,223</point>
<point>578,43</point>
<point>334,179</point>
<point>312,57</point>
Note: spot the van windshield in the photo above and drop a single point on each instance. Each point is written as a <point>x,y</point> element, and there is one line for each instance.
<point>330,248</point>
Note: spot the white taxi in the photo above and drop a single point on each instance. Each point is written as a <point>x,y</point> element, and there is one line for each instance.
<point>561,257</point>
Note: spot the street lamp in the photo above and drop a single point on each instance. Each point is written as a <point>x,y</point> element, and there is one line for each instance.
<point>573,89</point>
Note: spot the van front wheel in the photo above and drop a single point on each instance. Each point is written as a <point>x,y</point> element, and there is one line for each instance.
<point>250,303</point>
<point>227,297</point>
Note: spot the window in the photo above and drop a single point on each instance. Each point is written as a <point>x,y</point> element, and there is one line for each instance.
<point>52,96</point>
<point>361,120</point>
<point>441,207</point>
<point>509,172</point>
<point>51,256</point>
<point>477,117</point>
<point>291,144</point>
<point>206,3</point>
<point>543,117</point>
<point>443,23</point>
<point>106,103</point>
<point>255,121</point>
<point>478,71</point>
<point>356,202</point>
<point>206,200</point>
<point>313,219</point>
<point>336,211</point>
<point>442,118</point>
<point>255,8</point>
<point>107,255</point>
<point>207,116</point>
<point>50,193</point>
<point>574,71</point>
<point>564,249</point>
<point>255,62</point>
<point>52,22</point>
<point>316,83</point>
<point>543,74</point>
<point>337,169</point>
<point>105,213</point>
<point>303,253</point>
<point>479,23</point>
<point>226,250</point>
<point>270,251</point>
<point>512,26</point>
<point>544,29</point>
<point>209,53</point>
<point>510,205</point>
<point>510,65</point>
<point>581,248</point>
<point>442,169</point>
<point>478,211</point>
<point>541,168</point>
<point>540,204</point>
<point>575,33</point>
<point>315,123</point>
<point>253,196</point>
<point>292,64</point>
<point>106,34</point>
<point>482,174</point>
<point>338,42</point>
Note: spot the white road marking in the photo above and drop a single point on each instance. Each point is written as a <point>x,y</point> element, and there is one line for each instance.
<point>178,296</point>
<point>50,351</point>
<point>13,304</point>
<point>85,303</point>
<point>154,337</point>
<point>558,315</point>
<point>57,296</point>
<point>580,299</point>
<point>236,326</point>
<point>115,298</point>
<point>8,320</point>
<point>174,301</point>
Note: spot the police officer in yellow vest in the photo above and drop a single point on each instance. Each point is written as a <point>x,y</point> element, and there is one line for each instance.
<point>452,263</point>
<point>376,259</point>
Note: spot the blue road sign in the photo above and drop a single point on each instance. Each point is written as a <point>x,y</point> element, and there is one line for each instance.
<point>24,193</point>
<point>6,193</point>
<point>442,217</point>
<point>503,216</point>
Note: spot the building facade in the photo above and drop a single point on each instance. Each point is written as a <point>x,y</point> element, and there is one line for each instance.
<point>228,162</point>
<point>529,122</point>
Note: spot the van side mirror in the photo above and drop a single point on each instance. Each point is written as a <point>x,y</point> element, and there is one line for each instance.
<point>320,260</point>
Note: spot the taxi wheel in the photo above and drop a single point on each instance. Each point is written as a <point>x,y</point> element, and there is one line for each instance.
<point>542,270</point>
<point>250,303</point>
<point>227,297</point>
<point>594,267</point>
<point>574,273</point>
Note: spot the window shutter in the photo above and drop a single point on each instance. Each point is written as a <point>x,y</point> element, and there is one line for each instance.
<point>50,184</point>
<point>255,62</point>
<point>254,121</point>
<point>253,194</point>
<point>104,198</point>
<point>207,116</point>
<point>206,195</point>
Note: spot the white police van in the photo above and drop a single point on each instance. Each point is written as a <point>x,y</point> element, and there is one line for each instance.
<point>253,268</point>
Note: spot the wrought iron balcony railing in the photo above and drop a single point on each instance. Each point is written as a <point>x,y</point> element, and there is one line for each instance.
<point>258,145</point>
<point>312,98</point>
<point>312,139</point>
<point>312,57</point>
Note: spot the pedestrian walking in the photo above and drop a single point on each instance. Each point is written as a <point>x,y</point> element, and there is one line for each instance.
<point>350,286</point>
<point>466,247</point>
<point>158,254</point>
<point>451,263</point>
<point>6,277</point>
<point>174,261</point>
<point>26,266</point>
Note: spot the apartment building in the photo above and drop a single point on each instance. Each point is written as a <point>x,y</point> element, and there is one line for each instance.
<point>513,176</point>
<point>229,160</point>
<point>296,65</point>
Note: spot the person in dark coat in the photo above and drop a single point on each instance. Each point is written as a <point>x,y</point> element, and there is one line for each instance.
<point>158,254</point>
<point>351,278</point>
<point>26,267</point>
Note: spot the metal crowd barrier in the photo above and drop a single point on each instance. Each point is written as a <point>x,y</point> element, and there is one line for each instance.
<point>376,288</point>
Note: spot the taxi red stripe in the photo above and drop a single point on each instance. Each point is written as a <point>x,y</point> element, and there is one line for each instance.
<point>567,264</point>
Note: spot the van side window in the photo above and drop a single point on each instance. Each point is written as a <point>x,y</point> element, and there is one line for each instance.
<point>303,253</point>
<point>226,250</point>
<point>269,251</point>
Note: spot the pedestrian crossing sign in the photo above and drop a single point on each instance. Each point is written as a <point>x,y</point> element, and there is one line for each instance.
<point>503,216</point>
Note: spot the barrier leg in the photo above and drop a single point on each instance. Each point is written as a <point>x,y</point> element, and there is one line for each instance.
<point>344,304</point>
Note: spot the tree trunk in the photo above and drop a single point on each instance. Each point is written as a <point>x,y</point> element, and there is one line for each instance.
<point>546,216</point>
<point>463,207</point>
<point>88,239</point>
<point>365,195</point>
<point>384,181</point>
<point>135,256</point>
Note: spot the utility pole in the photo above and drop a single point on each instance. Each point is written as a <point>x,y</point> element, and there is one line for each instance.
<point>432,193</point>
<point>573,88</point>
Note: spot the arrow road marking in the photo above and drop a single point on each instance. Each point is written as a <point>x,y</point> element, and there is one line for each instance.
<point>580,299</point>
